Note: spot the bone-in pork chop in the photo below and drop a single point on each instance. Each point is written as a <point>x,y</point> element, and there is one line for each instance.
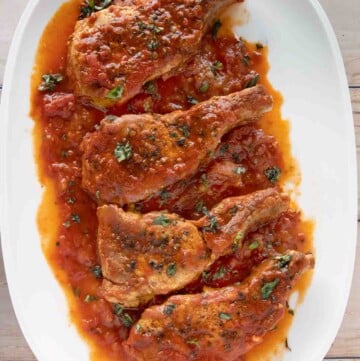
<point>132,157</point>
<point>115,51</point>
<point>218,324</point>
<point>156,253</point>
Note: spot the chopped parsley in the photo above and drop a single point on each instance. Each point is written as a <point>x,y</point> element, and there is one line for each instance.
<point>253,245</point>
<point>252,82</point>
<point>169,309</point>
<point>89,298</point>
<point>273,174</point>
<point>287,345</point>
<point>193,341</point>
<point>123,152</point>
<point>224,316</point>
<point>284,260</point>
<point>97,271</point>
<point>115,93</point>
<point>204,179</point>
<point>91,6</point>
<point>201,208</point>
<point>239,236</point>
<point>246,60</point>
<point>126,320</point>
<point>215,29</point>
<point>161,220</point>
<point>239,170</point>
<point>150,88</point>
<point>164,196</point>
<point>204,87</point>
<point>71,200</point>
<point>118,309</point>
<point>171,269</point>
<point>233,210</point>
<point>224,148</point>
<point>216,66</point>
<point>185,130</point>
<point>259,46</point>
<point>212,226</point>
<point>191,100</point>
<point>49,81</point>
<point>152,44</point>
<point>220,273</point>
<point>75,218</point>
<point>268,289</point>
<point>181,142</point>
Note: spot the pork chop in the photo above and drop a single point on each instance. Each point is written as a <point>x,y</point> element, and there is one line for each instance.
<point>134,156</point>
<point>159,252</point>
<point>113,52</point>
<point>218,324</point>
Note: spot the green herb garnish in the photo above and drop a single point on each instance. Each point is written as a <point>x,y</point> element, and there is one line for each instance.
<point>91,6</point>
<point>239,236</point>
<point>185,130</point>
<point>215,29</point>
<point>97,271</point>
<point>171,269</point>
<point>49,81</point>
<point>212,226</point>
<point>252,82</point>
<point>224,316</point>
<point>268,289</point>
<point>115,93</point>
<point>273,174</point>
<point>204,87</point>
<point>253,245</point>
<point>191,100</point>
<point>90,298</point>
<point>152,44</point>
<point>193,341</point>
<point>118,309</point>
<point>284,260</point>
<point>169,309</point>
<point>246,60</point>
<point>126,320</point>
<point>75,218</point>
<point>216,66</point>
<point>123,152</point>
<point>150,88</point>
<point>239,170</point>
<point>220,273</point>
<point>162,220</point>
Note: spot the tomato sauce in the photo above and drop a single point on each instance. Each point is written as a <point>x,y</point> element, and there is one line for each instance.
<point>67,216</point>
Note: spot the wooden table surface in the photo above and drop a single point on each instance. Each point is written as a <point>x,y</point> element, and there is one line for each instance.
<point>345,18</point>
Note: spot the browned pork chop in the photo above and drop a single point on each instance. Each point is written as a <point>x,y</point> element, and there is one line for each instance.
<point>145,255</point>
<point>156,253</point>
<point>132,157</point>
<point>219,324</point>
<point>115,51</point>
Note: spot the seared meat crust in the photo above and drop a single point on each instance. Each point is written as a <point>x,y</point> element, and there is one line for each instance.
<point>130,43</point>
<point>219,324</point>
<point>161,149</point>
<point>157,253</point>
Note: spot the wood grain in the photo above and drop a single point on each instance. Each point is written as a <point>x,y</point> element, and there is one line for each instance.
<point>345,18</point>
